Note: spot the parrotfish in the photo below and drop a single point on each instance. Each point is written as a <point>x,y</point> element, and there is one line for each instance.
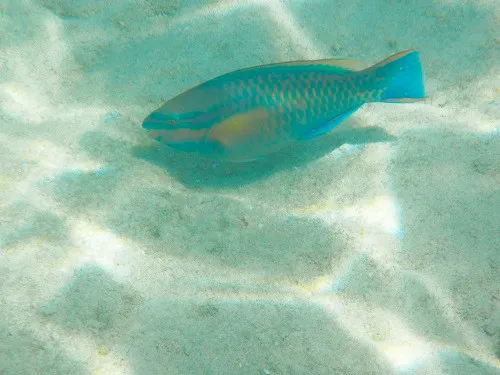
<point>250,113</point>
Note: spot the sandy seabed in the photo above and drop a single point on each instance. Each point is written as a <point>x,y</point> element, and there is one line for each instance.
<point>372,250</point>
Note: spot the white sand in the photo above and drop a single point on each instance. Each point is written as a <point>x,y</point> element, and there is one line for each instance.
<point>373,250</point>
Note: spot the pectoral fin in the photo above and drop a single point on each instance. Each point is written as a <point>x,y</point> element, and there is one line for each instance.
<point>327,126</point>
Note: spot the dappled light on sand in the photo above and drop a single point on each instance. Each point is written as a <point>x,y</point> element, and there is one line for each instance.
<point>371,250</point>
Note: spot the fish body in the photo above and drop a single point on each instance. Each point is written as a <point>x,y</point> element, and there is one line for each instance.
<point>253,112</point>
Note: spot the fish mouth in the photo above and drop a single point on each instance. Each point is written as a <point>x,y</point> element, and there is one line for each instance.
<point>148,124</point>
<point>157,121</point>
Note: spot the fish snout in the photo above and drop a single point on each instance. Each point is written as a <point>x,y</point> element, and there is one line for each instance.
<point>158,120</point>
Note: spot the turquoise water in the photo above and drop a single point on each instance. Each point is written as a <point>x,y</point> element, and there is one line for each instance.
<point>373,249</point>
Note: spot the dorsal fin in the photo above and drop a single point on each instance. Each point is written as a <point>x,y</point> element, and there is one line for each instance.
<point>339,66</point>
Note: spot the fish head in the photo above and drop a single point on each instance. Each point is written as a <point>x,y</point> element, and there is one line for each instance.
<point>181,119</point>
<point>180,131</point>
<point>183,122</point>
<point>187,108</point>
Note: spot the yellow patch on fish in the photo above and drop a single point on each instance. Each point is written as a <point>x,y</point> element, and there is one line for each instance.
<point>238,127</point>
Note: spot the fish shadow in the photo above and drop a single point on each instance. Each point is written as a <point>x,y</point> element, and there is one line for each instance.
<point>196,171</point>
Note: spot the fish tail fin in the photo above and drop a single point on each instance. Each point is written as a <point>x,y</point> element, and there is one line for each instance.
<point>402,77</point>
